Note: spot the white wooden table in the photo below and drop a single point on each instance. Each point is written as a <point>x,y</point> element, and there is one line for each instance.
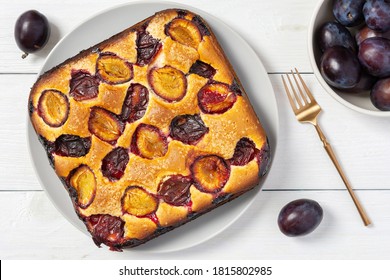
<point>31,227</point>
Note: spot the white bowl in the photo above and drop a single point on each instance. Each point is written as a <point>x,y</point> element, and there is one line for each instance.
<point>359,102</point>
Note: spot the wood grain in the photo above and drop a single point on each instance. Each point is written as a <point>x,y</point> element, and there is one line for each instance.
<point>359,141</point>
<point>35,230</point>
<point>274,29</point>
<point>32,228</point>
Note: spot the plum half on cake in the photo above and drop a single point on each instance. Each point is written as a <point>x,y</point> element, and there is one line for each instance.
<point>149,129</point>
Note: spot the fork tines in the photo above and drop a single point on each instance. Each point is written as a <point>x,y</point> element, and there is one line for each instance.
<point>301,98</point>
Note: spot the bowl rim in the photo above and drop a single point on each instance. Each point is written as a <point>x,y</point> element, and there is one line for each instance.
<point>317,73</point>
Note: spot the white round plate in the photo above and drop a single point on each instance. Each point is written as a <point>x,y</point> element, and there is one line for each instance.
<point>250,71</point>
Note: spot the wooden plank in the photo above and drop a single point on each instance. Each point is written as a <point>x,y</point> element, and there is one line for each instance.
<point>16,168</point>
<point>299,153</point>
<point>33,229</point>
<point>359,141</point>
<point>274,29</point>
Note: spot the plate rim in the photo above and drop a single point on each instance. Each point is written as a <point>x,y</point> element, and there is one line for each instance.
<point>169,4</point>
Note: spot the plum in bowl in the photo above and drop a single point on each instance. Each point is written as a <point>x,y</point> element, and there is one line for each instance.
<point>339,42</point>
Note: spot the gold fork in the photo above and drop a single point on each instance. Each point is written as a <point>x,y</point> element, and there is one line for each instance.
<point>306,109</point>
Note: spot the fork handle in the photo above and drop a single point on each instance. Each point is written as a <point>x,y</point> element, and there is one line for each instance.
<point>332,156</point>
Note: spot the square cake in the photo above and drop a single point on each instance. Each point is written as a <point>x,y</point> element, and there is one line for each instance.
<point>149,129</point>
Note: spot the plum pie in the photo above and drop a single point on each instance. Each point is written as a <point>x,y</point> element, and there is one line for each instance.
<point>149,129</point>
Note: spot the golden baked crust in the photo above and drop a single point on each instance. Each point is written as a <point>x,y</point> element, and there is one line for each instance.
<point>149,129</point>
